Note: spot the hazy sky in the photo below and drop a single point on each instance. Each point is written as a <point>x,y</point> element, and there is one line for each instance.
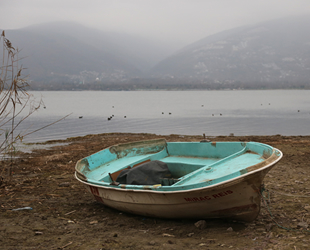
<point>183,21</point>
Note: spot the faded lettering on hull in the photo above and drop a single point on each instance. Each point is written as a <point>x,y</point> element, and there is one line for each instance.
<point>208,197</point>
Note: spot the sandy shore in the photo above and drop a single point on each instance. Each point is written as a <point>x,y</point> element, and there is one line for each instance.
<point>65,216</point>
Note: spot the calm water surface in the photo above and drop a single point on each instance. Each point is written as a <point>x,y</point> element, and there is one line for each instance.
<point>268,112</point>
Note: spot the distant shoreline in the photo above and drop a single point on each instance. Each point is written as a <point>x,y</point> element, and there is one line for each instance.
<point>161,89</point>
<point>155,85</point>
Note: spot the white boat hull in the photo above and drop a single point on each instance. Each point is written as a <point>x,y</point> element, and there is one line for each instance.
<point>238,199</point>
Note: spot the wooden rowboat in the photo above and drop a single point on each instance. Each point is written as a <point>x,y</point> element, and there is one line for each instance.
<point>204,179</point>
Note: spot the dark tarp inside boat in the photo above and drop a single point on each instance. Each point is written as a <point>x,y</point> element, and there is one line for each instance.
<point>149,173</point>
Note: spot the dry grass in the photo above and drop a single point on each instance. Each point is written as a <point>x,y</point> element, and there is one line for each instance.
<point>14,102</point>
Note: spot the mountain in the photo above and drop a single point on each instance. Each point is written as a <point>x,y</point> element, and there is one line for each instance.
<point>272,53</point>
<point>66,51</point>
<point>268,52</point>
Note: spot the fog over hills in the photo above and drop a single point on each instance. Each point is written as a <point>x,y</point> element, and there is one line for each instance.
<point>273,51</point>
<point>66,51</point>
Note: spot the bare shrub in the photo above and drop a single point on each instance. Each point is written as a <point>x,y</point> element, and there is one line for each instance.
<point>14,102</point>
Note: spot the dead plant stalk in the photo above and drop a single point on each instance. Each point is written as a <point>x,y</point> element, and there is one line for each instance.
<point>14,99</point>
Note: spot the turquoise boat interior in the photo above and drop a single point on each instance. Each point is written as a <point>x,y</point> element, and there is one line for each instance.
<point>192,164</point>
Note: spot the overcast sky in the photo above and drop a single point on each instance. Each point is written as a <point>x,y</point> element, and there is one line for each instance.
<point>184,21</point>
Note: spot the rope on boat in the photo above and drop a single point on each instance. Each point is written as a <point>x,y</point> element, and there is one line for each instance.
<point>265,199</point>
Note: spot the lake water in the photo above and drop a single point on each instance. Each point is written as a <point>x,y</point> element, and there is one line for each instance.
<point>266,112</point>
